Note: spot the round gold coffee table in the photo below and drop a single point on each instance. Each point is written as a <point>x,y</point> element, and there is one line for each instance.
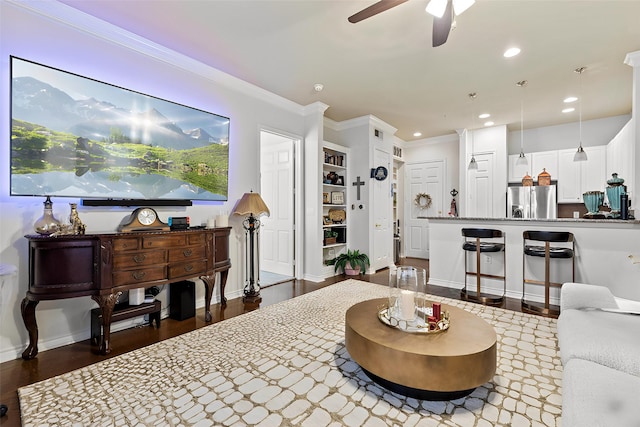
<point>441,366</point>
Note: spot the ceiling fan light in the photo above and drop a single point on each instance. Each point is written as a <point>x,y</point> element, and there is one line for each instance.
<point>522,160</point>
<point>436,8</point>
<point>581,155</point>
<point>460,6</point>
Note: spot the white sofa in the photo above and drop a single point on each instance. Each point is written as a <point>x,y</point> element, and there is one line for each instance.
<point>599,340</point>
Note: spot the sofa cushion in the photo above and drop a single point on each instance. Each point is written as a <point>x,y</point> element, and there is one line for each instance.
<point>581,295</point>
<point>597,396</point>
<point>610,339</point>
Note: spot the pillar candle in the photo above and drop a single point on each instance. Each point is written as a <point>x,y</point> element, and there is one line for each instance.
<point>222,221</point>
<point>407,305</point>
<point>436,310</point>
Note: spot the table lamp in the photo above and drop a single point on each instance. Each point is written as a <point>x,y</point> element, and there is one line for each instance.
<point>251,204</point>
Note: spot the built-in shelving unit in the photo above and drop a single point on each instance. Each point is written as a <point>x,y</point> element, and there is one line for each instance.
<point>334,203</point>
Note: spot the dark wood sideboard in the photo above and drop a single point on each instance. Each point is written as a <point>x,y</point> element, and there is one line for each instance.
<point>102,266</point>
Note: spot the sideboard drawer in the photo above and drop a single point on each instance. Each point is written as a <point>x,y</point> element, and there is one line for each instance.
<point>195,268</point>
<point>139,259</point>
<point>164,241</point>
<point>182,254</point>
<point>131,244</point>
<point>196,239</point>
<point>141,275</point>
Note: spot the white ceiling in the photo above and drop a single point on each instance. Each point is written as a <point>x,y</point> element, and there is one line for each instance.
<point>385,65</point>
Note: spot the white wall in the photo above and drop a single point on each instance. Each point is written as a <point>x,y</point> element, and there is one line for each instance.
<point>433,149</point>
<point>54,34</point>
<point>559,137</point>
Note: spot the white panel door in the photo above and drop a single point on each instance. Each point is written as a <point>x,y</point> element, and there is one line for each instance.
<point>424,177</point>
<point>276,183</point>
<point>480,185</point>
<point>382,201</point>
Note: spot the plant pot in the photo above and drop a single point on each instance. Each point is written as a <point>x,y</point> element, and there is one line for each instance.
<point>351,271</point>
<point>329,240</point>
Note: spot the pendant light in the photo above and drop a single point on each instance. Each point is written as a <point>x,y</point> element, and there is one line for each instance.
<point>581,155</point>
<point>522,160</point>
<point>473,165</point>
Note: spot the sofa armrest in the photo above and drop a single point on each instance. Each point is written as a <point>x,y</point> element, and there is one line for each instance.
<point>581,295</point>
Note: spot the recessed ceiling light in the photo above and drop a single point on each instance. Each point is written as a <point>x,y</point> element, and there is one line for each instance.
<point>489,123</point>
<point>570,99</point>
<point>568,110</point>
<point>484,116</point>
<point>417,134</point>
<point>511,52</point>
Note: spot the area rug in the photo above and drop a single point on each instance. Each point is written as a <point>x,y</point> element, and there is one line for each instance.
<point>287,365</point>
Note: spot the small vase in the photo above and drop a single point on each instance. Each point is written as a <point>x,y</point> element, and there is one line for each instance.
<point>47,224</point>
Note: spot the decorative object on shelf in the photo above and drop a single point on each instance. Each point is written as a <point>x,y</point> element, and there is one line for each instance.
<point>251,204</point>
<point>339,180</point>
<point>142,219</point>
<point>330,237</point>
<point>326,220</point>
<point>593,200</point>
<point>453,211</point>
<point>522,160</point>
<point>581,155</point>
<point>397,151</point>
<point>544,178</point>
<point>352,263</point>
<point>615,189</point>
<point>47,224</point>
<point>325,198</point>
<point>527,181</point>
<point>380,173</point>
<point>407,309</point>
<point>332,177</point>
<point>337,216</point>
<point>337,198</point>
<point>76,224</point>
<point>422,201</point>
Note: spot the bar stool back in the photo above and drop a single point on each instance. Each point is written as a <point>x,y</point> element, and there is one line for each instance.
<point>474,241</point>
<point>548,252</point>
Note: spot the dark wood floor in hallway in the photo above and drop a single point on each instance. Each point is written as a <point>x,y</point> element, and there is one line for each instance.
<point>17,373</point>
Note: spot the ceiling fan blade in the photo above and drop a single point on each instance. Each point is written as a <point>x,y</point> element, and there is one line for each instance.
<point>375,9</point>
<point>442,26</point>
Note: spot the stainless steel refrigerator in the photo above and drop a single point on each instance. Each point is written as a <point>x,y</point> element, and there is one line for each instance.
<point>536,202</point>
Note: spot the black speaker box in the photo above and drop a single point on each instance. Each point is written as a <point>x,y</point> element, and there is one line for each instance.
<point>182,300</point>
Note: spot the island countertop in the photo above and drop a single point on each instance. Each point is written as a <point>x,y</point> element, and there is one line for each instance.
<point>607,252</point>
<point>542,221</point>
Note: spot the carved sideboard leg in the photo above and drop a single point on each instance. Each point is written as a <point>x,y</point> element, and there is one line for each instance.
<point>106,303</point>
<point>28,309</point>
<point>223,283</point>
<point>209,283</point>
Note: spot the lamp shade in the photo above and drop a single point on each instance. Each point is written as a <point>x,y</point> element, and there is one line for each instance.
<point>251,204</point>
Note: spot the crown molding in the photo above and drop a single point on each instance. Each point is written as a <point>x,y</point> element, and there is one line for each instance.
<point>633,59</point>
<point>90,25</point>
<point>368,120</point>
<point>316,107</point>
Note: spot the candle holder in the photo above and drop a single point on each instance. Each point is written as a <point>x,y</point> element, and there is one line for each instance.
<point>407,308</point>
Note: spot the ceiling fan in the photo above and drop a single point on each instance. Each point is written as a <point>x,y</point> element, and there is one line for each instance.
<point>443,12</point>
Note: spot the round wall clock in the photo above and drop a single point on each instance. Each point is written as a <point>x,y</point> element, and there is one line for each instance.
<point>143,219</point>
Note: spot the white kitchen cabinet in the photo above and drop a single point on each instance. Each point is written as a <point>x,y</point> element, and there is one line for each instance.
<point>517,172</point>
<point>544,160</point>
<point>576,178</point>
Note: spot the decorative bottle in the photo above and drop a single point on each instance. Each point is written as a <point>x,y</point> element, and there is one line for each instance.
<point>47,224</point>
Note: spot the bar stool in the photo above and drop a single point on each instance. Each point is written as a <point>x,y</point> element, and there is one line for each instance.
<point>547,252</point>
<point>473,243</point>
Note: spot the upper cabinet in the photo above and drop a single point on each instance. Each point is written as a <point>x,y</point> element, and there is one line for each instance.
<point>576,178</point>
<point>536,163</point>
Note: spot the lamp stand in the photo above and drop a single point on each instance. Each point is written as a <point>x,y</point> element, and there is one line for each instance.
<point>252,268</point>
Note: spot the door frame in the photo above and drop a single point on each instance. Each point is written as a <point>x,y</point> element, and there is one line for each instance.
<point>297,197</point>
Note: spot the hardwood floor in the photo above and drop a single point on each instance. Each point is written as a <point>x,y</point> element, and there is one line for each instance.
<point>17,373</point>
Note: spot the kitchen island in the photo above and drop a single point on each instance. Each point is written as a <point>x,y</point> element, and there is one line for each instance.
<point>607,253</point>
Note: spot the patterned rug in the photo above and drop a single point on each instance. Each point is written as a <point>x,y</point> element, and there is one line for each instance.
<point>286,365</point>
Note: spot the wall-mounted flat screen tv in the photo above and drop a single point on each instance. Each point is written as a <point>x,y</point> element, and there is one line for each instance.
<point>73,136</point>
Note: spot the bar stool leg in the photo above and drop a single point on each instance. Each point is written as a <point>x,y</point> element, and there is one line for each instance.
<point>547,280</point>
<point>478,267</point>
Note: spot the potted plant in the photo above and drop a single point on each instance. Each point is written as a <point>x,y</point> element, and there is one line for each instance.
<point>352,263</point>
